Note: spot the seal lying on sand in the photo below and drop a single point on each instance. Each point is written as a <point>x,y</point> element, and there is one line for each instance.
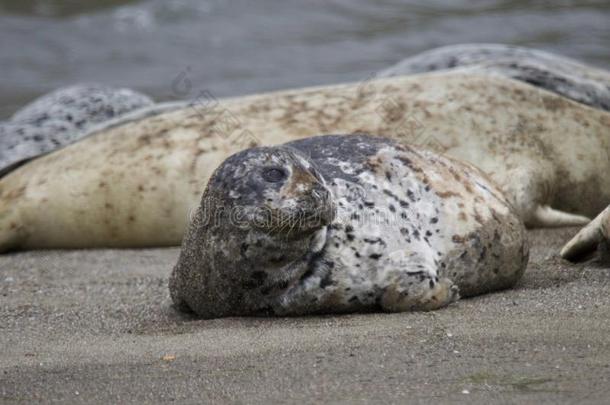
<point>343,224</point>
<point>133,184</point>
<point>561,75</point>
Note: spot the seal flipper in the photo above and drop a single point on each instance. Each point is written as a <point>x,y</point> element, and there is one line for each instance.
<point>529,187</point>
<point>547,217</point>
<point>586,241</point>
<point>414,285</point>
<point>427,294</point>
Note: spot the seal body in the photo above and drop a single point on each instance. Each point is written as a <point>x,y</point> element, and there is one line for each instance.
<point>134,183</point>
<point>60,118</point>
<point>561,75</point>
<point>345,223</point>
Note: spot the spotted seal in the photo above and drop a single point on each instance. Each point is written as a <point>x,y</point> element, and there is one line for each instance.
<point>579,82</point>
<point>133,184</point>
<point>60,118</point>
<point>341,224</point>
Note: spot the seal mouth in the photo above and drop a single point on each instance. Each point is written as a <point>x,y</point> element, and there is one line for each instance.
<point>299,224</point>
<point>311,213</point>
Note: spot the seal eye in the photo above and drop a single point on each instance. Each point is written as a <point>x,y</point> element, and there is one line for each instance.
<point>274,174</point>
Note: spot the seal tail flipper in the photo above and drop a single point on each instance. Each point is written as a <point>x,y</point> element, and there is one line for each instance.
<point>529,187</point>
<point>587,239</point>
<point>547,217</point>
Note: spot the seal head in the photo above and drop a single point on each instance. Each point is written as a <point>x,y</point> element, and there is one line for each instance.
<point>273,190</point>
<point>271,205</point>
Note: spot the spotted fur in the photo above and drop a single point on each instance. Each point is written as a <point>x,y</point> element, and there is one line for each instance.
<point>134,183</point>
<point>559,74</point>
<point>60,118</point>
<point>383,226</point>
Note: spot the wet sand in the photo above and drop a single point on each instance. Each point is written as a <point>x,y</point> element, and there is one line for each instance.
<point>97,326</point>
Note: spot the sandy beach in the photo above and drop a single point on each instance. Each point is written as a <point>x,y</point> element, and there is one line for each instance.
<point>97,326</point>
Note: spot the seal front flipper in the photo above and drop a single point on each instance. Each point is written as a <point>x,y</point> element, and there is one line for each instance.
<point>586,241</point>
<point>414,285</point>
<point>423,292</point>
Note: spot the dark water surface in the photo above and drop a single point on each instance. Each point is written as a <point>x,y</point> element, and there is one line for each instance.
<point>243,46</point>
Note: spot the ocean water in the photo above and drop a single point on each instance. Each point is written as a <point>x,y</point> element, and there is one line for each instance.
<point>245,46</point>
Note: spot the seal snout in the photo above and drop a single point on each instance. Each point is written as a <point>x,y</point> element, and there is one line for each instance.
<point>326,207</point>
<point>307,207</point>
<point>313,198</point>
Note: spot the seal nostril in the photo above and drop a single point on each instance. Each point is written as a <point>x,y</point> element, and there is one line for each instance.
<point>320,193</point>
